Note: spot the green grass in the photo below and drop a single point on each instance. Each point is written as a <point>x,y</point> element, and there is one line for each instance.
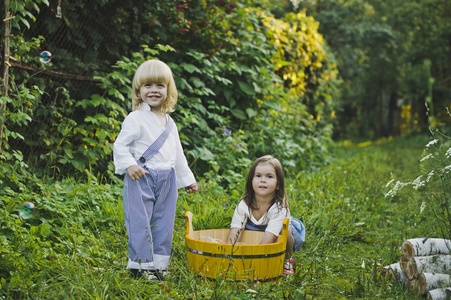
<point>75,245</point>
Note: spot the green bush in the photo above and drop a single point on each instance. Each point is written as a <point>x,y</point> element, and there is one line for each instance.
<point>253,79</point>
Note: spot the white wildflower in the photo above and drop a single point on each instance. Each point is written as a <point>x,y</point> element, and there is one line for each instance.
<point>427,157</point>
<point>422,207</point>
<point>363,264</point>
<point>446,169</point>
<point>448,153</point>
<point>430,175</point>
<point>398,185</point>
<point>432,143</point>
<point>417,183</point>
<point>390,182</point>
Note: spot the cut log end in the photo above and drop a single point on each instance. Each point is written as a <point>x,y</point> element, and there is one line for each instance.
<point>407,249</point>
<point>411,269</point>
<point>384,272</point>
<point>422,284</point>
<point>412,285</point>
<point>403,262</point>
<point>393,272</point>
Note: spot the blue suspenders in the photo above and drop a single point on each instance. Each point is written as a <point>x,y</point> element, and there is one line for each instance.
<point>157,144</point>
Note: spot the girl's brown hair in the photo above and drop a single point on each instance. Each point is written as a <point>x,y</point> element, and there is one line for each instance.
<point>154,71</point>
<point>280,195</point>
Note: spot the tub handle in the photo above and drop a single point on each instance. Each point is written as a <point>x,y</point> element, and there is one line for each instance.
<point>285,231</point>
<point>189,224</point>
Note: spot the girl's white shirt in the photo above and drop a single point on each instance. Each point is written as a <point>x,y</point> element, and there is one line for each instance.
<point>139,130</point>
<point>273,217</point>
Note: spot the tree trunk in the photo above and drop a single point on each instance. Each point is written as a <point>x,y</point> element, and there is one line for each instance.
<point>382,112</point>
<point>440,294</point>
<point>392,112</point>
<point>425,247</point>
<point>430,281</point>
<point>428,264</point>
<point>412,113</point>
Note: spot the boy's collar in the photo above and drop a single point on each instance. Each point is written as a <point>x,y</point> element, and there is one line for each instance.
<point>145,106</point>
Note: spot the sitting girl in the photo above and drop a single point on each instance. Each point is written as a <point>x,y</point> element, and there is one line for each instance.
<point>265,206</point>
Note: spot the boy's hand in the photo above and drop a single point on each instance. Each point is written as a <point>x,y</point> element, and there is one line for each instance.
<point>136,172</point>
<point>192,188</point>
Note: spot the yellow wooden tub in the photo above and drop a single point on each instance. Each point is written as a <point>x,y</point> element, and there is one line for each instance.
<point>209,256</point>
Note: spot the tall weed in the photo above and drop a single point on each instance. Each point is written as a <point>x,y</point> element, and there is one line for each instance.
<point>430,187</point>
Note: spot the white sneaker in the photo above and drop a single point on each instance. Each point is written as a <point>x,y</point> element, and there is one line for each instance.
<point>288,268</point>
<point>155,275</point>
<point>150,275</point>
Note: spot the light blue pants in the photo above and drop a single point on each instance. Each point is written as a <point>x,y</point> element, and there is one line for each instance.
<point>298,229</point>
<point>149,213</point>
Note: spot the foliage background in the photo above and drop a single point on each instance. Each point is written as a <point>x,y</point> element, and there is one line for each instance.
<point>235,69</point>
<point>393,57</point>
<point>254,77</point>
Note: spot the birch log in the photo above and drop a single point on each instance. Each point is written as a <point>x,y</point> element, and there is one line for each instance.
<point>440,294</point>
<point>431,281</point>
<point>425,247</point>
<point>394,272</point>
<point>428,264</point>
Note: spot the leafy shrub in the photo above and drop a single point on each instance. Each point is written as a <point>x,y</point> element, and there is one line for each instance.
<point>245,83</point>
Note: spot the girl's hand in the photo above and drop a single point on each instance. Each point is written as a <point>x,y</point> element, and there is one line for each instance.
<point>233,236</point>
<point>268,238</point>
<point>136,172</point>
<point>192,188</point>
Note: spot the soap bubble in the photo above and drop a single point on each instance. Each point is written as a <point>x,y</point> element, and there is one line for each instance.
<point>45,56</point>
<point>27,210</point>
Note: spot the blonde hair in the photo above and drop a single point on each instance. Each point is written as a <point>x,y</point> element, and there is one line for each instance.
<point>280,195</point>
<point>153,71</point>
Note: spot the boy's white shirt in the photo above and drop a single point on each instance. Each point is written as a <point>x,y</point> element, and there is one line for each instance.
<point>139,130</point>
<point>273,217</point>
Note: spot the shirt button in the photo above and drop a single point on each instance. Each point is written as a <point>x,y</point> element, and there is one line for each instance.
<point>142,159</point>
